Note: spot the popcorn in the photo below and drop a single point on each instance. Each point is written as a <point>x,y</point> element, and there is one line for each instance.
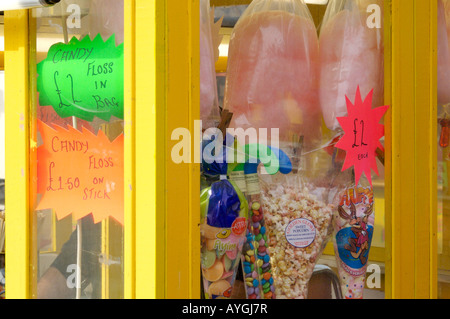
<point>298,228</point>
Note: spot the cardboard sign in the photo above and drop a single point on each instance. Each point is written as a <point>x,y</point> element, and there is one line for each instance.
<point>80,173</point>
<point>83,79</point>
<point>363,132</point>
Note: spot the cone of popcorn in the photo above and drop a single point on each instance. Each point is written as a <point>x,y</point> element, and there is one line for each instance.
<point>298,214</point>
<point>297,224</point>
<point>353,223</point>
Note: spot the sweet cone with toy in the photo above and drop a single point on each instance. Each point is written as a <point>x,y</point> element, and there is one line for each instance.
<point>353,224</point>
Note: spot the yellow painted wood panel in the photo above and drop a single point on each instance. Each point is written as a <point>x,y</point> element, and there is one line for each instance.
<point>426,149</point>
<point>129,151</point>
<point>403,163</point>
<point>149,126</point>
<point>411,161</point>
<point>183,180</point>
<point>17,153</point>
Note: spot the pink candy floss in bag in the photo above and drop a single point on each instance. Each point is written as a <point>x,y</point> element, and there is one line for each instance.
<point>443,52</point>
<point>351,55</point>
<point>209,105</point>
<point>273,70</point>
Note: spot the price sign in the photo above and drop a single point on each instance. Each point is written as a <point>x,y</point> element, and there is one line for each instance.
<point>80,173</point>
<point>83,78</point>
<point>362,134</point>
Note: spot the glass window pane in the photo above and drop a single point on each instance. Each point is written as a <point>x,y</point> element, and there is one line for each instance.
<point>267,80</point>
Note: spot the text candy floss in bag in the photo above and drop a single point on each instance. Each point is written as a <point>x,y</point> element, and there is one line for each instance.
<point>351,55</point>
<point>273,70</point>
<point>353,223</point>
<point>224,212</point>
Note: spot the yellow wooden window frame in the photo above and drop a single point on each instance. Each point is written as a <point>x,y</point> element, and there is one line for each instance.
<point>162,255</point>
<point>411,190</point>
<point>17,153</point>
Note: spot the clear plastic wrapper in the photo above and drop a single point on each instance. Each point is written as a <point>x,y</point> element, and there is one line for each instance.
<point>298,209</point>
<point>257,231</point>
<point>351,55</point>
<point>251,265</point>
<point>353,224</point>
<point>272,74</point>
<point>209,103</point>
<point>443,52</point>
<point>224,214</point>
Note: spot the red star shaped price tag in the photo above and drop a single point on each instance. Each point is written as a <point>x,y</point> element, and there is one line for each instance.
<point>362,134</point>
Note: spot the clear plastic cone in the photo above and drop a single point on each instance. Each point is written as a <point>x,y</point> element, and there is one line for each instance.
<point>353,223</point>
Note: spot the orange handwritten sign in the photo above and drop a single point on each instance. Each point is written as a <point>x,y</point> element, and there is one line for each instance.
<point>80,173</point>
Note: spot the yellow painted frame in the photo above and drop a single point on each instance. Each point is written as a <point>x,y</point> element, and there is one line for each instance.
<point>17,153</point>
<point>183,180</point>
<point>144,149</point>
<point>162,235</point>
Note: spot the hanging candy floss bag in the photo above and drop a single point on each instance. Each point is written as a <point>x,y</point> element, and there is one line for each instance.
<point>443,52</point>
<point>209,104</point>
<point>351,55</point>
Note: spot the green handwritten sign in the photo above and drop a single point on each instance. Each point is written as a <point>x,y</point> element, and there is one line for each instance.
<point>83,78</point>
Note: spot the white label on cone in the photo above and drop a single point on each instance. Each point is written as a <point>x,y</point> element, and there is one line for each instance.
<point>300,233</point>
